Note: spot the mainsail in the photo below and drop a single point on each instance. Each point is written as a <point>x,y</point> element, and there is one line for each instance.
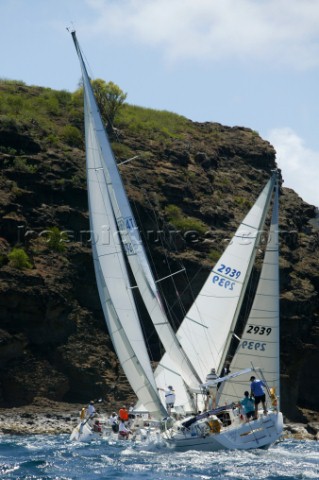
<point>111,274</point>
<point>259,344</point>
<point>130,237</point>
<point>206,331</point>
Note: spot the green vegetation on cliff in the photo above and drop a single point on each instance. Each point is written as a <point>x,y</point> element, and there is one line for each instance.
<point>18,258</point>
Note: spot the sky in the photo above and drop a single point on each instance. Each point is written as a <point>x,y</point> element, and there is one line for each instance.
<point>251,63</point>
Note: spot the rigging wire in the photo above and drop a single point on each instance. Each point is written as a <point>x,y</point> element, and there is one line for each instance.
<point>167,242</point>
<point>176,311</point>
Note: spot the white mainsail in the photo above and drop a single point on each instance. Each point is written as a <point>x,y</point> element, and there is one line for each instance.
<point>259,344</point>
<point>111,274</point>
<point>207,328</point>
<point>130,237</point>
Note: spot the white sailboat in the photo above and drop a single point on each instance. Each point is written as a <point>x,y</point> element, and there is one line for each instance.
<point>258,347</point>
<point>204,336</point>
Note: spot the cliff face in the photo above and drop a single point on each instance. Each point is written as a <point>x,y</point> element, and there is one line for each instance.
<point>53,339</point>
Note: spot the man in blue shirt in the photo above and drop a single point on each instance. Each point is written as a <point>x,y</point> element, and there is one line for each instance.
<point>256,390</point>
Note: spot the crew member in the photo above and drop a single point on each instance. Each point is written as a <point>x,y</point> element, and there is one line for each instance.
<point>123,431</point>
<point>211,389</point>
<point>123,414</point>
<point>170,398</point>
<point>91,409</point>
<point>257,391</point>
<point>248,405</point>
<point>113,421</point>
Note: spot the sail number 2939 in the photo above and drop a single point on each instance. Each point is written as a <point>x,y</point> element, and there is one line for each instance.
<point>229,271</point>
<point>258,329</point>
<point>256,345</point>
<point>225,271</point>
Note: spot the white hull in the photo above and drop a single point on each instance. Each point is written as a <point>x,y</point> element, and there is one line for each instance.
<point>259,433</point>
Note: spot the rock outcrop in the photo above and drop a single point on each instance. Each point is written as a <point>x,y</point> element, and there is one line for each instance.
<point>53,340</point>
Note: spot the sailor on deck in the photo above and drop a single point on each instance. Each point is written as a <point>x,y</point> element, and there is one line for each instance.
<point>123,414</point>
<point>211,390</point>
<point>113,421</point>
<point>91,409</point>
<point>123,431</point>
<point>170,397</point>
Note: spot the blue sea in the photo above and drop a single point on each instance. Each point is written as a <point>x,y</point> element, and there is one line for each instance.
<point>55,458</point>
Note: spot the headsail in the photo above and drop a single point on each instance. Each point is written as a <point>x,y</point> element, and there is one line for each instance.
<point>131,239</point>
<point>259,345</point>
<point>206,330</point>
<point>110,269</point>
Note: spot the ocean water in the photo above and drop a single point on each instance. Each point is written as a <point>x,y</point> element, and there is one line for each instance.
<point>55,458</point>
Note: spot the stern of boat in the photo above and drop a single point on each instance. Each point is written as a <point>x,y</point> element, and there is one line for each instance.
<point>260,433</point>
<point>238,435</point>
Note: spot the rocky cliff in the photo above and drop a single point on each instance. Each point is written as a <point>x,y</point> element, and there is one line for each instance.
<point>190,185</point>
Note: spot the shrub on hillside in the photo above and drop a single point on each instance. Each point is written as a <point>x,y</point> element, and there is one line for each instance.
<point>72,136</point>
<point>19,259</point>
<point>184,223</point>
<point>56,239</point>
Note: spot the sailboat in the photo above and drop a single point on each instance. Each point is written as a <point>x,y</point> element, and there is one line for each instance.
<point>204,336</point>
<point>258,347</point>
